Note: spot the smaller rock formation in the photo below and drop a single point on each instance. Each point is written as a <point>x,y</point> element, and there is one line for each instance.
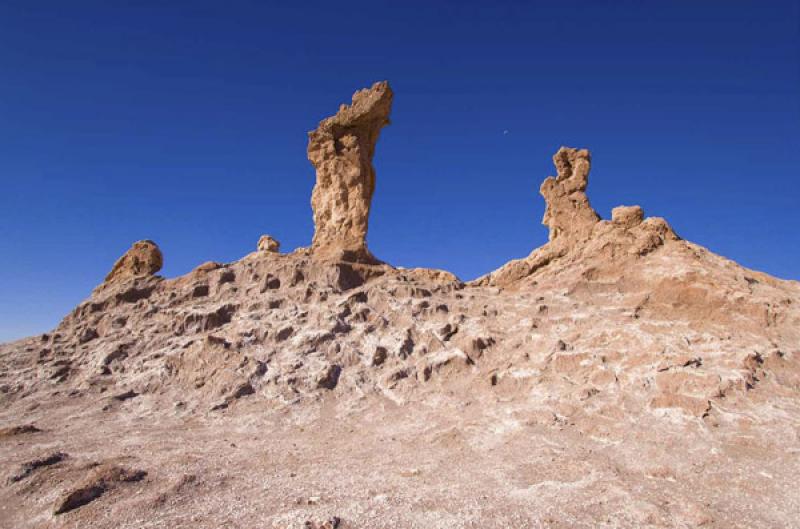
<point>577,234</point>
<point>143,259</point>
<point>341,150</point>
<point>627,216</point>
<point>268,244</point>
<point>568,210</point>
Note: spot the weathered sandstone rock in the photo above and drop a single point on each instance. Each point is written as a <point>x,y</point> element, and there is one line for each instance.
<point>627,216</point>
<point>578,238</point>
<point>268,244</point>
<point>143,259</point>
<point>341,150</point>
<point>568,210</point>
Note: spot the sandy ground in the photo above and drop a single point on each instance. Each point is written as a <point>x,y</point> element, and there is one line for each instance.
<point>438,462</point>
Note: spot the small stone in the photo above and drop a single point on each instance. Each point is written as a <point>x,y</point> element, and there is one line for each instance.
<point>284,334</point>
<point>627,216</point>
<point>268,244</point>
<point>329,377</point>
<point>379,356</point>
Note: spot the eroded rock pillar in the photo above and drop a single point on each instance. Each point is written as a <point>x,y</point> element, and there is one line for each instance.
<point>341,150</point>
<point>568,212</point>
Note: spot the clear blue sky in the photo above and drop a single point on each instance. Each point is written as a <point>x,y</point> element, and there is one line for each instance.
<point>186,123</point>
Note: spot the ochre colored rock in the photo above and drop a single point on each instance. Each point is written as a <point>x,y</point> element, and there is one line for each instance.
<point>627,216</point>
<point>578,239</point>
<point>143,259</point>
<point>341,150</point>
<point>568,210</point>
<point>269,244</point>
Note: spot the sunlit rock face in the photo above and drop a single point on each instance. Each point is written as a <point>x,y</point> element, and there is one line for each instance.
<point>341,150</point>
<point>568,211</point>
<point>142,259</point>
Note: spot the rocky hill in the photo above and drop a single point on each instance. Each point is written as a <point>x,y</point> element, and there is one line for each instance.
<point>618,376</point>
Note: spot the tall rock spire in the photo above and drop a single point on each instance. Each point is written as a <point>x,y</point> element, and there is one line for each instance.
<point>341,150</point>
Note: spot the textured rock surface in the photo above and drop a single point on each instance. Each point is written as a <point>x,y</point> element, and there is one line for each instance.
<point>578,237</point>
<point>618,376</point>
<point>267,243</point>
<point>568,212</point>
<point>143,259</point>
<point>341,150</point>
<point>627,216</point>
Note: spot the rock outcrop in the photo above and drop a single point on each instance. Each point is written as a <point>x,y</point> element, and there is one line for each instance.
<point>627,216</point>
<point>268,244</point>
<point>578,236</point>
<point>568,212</point>
<point>341,150</point>
<point>142,259</point>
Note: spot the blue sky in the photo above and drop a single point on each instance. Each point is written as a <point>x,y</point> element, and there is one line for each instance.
<point>186,123</point>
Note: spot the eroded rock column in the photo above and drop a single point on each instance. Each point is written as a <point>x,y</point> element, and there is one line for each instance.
<point>568,212</point>
<point>341,150</point>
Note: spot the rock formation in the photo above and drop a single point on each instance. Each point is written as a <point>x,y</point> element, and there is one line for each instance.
<point>142,259</point>
<point>617,376</point>
<point>627,216</point>
<point>269,244</point>
<point>568,211</point>
<point>341,150</point>
<point>577,234</point>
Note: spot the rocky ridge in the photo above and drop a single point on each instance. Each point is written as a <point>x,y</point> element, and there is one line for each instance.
<point>612,327</point>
